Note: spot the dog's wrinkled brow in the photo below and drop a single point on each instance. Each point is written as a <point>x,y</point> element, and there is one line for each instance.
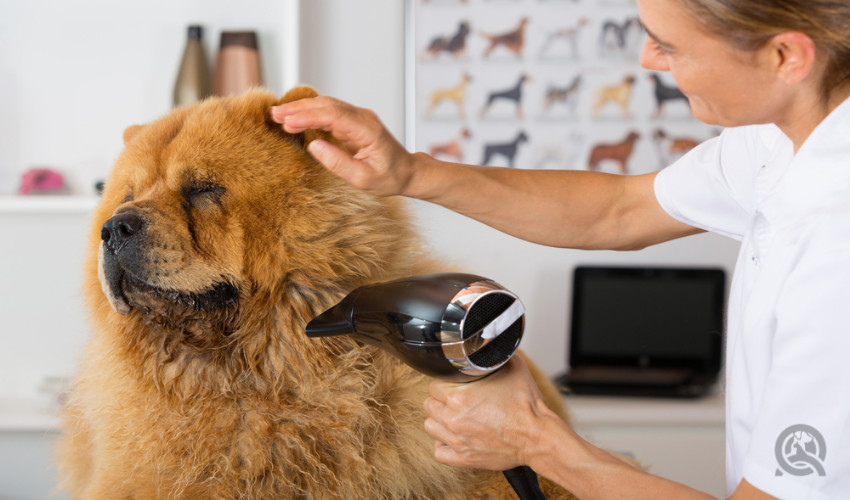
<point>201,182</point>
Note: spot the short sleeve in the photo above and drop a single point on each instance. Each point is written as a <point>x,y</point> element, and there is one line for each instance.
<point>712,186</point>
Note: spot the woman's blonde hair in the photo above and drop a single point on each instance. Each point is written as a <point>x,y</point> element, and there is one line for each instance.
<point>749,24</point>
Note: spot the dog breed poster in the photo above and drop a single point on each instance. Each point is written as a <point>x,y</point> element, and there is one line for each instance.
<point>541,84</point>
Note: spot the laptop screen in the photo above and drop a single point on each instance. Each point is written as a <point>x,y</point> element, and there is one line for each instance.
<point>647,316</point>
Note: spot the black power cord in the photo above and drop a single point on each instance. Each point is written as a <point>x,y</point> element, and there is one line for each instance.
<point>524,482</point>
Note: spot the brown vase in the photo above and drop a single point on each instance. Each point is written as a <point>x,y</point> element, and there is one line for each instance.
<point>238,64</point>
<point>193,76</point>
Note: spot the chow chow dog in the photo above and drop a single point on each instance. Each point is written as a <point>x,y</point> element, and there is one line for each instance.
<point>218,238</point>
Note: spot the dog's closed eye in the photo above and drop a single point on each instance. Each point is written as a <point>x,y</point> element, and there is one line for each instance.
<point>199,194</point>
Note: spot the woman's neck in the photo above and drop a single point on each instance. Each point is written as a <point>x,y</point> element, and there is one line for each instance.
<point>805,114</point>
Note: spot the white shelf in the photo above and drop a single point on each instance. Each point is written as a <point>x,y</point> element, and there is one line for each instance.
<point>592,410</point>
<point>21,415</point>
<point>46,204</point>
<point>33,415</point>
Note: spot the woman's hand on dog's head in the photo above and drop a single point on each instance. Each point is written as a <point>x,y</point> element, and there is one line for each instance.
<point>369,158</point>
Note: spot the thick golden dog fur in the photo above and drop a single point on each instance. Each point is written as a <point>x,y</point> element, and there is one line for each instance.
<point>205,386</point>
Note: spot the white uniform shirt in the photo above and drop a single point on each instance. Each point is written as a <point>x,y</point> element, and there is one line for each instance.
<point>788,325</point>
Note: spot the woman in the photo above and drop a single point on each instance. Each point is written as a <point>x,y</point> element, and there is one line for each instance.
<point>778,73</point>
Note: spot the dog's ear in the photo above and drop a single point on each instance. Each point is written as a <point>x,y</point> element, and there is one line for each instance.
<point>131,132</point>
<point>298,93</point>
<point>304,92</point>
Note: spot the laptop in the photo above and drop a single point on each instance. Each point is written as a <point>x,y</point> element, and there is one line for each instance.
<point>645,331</point>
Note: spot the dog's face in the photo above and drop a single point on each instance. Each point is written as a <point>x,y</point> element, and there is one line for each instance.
<point>213,215</point>
<point>174,244</point>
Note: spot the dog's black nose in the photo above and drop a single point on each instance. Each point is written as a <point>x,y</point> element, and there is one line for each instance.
<point>120,228</point>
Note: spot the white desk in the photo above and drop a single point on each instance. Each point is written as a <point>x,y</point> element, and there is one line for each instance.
<point>679,439</point>
<point>682,440</point>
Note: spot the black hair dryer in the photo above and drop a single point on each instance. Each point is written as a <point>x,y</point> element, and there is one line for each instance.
<point>453,326</point>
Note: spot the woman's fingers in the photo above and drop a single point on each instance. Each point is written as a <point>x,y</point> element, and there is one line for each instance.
<point>365,154</point>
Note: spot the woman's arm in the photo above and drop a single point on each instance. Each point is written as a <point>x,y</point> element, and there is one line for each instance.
<point>560,208</point>
<point>501,421</point>
<point>571,209</point>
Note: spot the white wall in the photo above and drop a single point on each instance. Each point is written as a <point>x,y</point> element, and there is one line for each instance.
<point>74,74</point>
<point>354,50</point>
<point>70,83</point>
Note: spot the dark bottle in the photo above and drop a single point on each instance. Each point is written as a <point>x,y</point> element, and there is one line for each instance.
<point>193,77</point>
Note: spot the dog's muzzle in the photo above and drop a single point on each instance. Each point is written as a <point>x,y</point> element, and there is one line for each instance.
<point>118,235</point>
<point>128,268</point>
<point>119,229</point>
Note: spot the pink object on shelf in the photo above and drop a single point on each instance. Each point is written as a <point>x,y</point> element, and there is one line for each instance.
<point>42,181</point>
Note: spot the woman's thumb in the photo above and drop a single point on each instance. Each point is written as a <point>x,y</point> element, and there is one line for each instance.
<point>333,158</point>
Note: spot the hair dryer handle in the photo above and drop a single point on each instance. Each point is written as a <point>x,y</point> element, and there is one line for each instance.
<point>524,482</point>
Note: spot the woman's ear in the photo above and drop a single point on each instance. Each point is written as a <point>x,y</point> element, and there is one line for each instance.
<point>795,54</point>
<point>131,132</point>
